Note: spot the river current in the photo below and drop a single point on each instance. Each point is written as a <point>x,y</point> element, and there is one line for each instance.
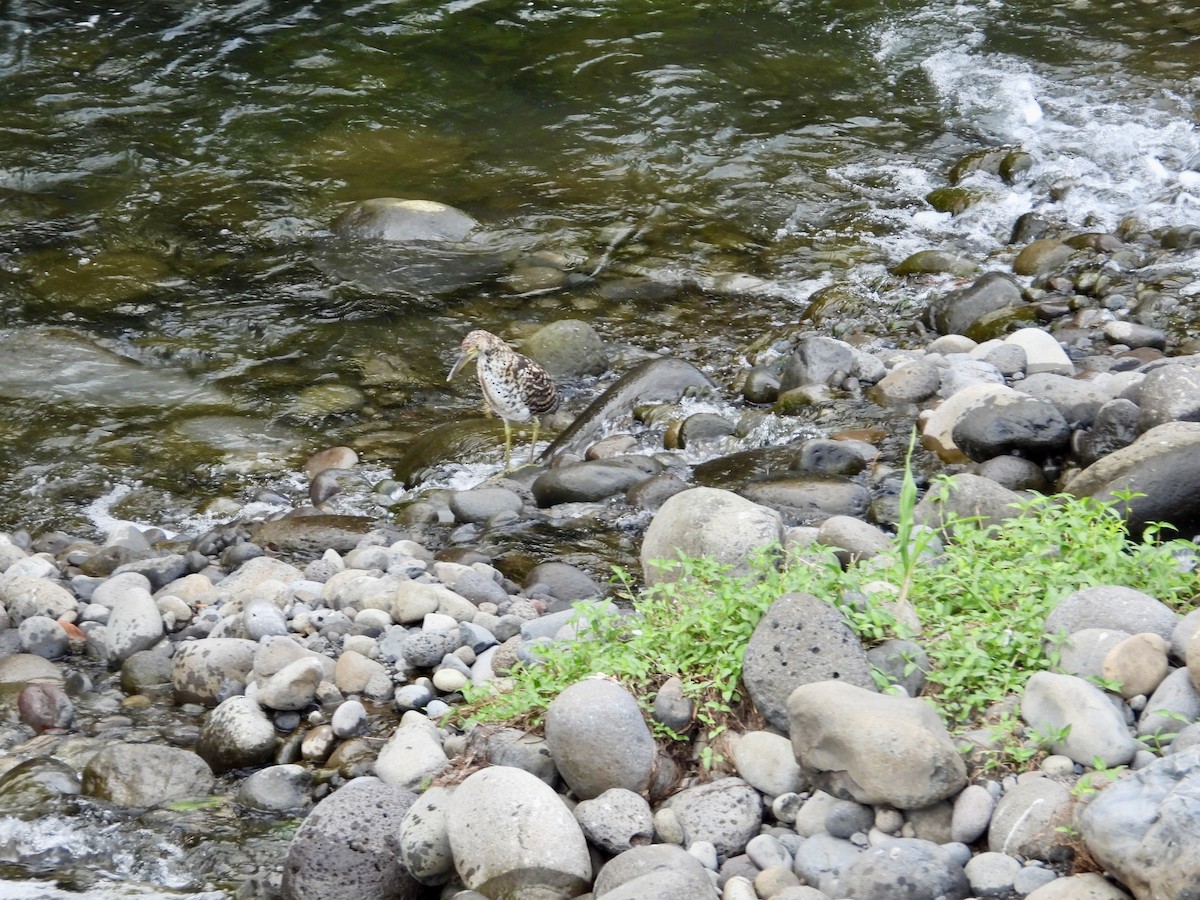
<point>173,330</point>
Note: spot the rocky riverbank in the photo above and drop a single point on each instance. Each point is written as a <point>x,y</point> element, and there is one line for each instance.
<point>305,666</point>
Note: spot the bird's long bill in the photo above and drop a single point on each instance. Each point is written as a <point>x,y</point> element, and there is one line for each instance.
<point>463,359</point>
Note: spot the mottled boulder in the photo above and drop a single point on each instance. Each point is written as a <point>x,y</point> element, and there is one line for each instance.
<point>1169,393</point>
<point>346,848</point>
<point>236,734</point>
<point>211,670</point>
<point>26,595</point>
<point>708,522</point>
<point>134,624</point>
<point>423,839</point>
<point>145,775</point>
<point>905,869</point>
<point>511,836</point>
<point>616,820</point>
<point>1144,828</point>
<point>599,740</point>
<point>726,813</point>
<point>873,748</point>
<point>801,639</point>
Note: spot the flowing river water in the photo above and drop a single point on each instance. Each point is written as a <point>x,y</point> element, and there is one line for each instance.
<point>177,332</point>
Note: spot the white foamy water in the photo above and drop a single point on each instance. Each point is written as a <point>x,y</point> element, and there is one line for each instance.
<point>1111,144</point>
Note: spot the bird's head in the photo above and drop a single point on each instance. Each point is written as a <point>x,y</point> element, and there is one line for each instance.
<point>472,345</point>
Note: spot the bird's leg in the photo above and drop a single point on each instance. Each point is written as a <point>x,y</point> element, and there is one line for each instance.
<point>533,444</point>
<point>507,446</point>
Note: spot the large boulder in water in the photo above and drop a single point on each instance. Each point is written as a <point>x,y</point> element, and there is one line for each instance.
<point>405,221</point>
<point>417,247</point>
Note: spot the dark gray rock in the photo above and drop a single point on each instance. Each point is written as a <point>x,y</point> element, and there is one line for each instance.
<point>1138,828</point>
<point>1014,473</point>
<point>701,427</point>
<point>967,496</point>
<point>660,380</point>
<point>1004,425</point>
<point>801,639</point>
<point>761,386</point>
<point>654,491</point>
<point>277,788</point>
<point>958,311</point>
<point>823,456</point>
<point>592,480</point>
<point>1112,607</point>
<point>425,649</point>
<point>807,499</point>
<point>1163,466</point>
<point>235,735</point>
<point>481,503</point>
<point>818,360</point>
<point>1078,401</point>
<point>904,662</point>
<point>347,847</point>
<point>564,581</point>
<point>912,382</point>
<point>1114,428</point>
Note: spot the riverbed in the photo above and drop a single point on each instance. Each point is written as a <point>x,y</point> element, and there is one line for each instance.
<point>179,330</point>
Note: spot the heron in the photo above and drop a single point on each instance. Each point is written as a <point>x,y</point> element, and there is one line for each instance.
<point>514,387</point>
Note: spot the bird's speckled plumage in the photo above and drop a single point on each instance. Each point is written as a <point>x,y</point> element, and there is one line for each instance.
<point>515,387</point>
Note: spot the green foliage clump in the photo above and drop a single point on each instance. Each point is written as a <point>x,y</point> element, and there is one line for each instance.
<point>983,601</point>
<point>977,605</point>
<point>694,628</point>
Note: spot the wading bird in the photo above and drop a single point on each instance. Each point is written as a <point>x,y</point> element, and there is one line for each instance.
<point>515,387</point>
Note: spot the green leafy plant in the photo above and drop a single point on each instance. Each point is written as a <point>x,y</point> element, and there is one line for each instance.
<point>979,599</point>
<point>694,628</point>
